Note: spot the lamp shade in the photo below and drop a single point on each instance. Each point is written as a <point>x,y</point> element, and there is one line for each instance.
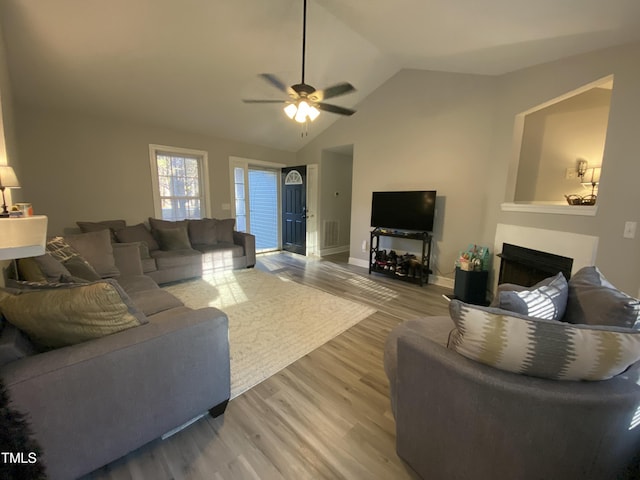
<point>23,237</point>
<point>8,177</point>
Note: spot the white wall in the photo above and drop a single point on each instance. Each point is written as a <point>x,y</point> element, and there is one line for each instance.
<point>421,131</point>
<point>619,195</point>
<point>78,167</point>
<point>335,196</point>
<point>455,133</point>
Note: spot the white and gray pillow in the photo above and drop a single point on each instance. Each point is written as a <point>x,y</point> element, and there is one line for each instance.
<point>541,348</point>
<point>547,299</point>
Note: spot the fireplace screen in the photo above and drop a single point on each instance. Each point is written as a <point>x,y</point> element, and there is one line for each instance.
<point>524,266</point>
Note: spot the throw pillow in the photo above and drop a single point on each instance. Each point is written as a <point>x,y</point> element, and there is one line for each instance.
<point>63,254</point>
<point>70,314</point>
<point>29,269</point>
<point>156,223</point>
<point>137,233</point>
<point>95,248</point>
<point>203,231</point>
<point>111,225</point>
<point>541,348</point>
<point>173,238</point>
<point>79,268</point>
<point>548,301</point>
<point>595,301</point>
<point>224,230</point>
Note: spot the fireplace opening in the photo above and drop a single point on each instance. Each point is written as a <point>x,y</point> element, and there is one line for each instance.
<point>524,266</point>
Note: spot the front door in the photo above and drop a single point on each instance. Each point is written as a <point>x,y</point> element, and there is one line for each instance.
<point>294,209</point>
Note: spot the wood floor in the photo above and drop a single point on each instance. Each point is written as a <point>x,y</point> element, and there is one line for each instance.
<point>327,416</point>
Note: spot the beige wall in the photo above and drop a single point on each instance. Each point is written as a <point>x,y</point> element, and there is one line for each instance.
<point>8,149</point>
<point>421,131</point>
<point>619,197</point>
<point>78,167</point>
<point>455,133</point>
<point>554,138</point>
<point>336,178</point>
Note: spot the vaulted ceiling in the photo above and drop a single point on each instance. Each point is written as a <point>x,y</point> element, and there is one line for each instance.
<point>186,64</point>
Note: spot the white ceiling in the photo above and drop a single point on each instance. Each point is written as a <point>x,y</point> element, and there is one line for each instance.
<point>187,64</point>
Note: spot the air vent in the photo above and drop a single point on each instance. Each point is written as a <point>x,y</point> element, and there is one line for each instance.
<point>331,233</point>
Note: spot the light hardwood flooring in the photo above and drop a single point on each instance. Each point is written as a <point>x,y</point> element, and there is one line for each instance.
<point>326,416</point>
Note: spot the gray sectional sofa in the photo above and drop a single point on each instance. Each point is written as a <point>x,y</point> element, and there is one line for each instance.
<point>122,378</point>
<point>173,251</point>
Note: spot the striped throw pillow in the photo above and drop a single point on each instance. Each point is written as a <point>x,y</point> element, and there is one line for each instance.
<point>541,348</point>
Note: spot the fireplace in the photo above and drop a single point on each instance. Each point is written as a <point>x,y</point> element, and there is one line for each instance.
<point>525,266</point>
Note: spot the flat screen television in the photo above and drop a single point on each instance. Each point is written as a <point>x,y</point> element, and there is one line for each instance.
<point>409,210</point>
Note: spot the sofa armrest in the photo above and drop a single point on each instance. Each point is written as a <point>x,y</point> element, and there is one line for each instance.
<point>128,258</point>
<point>248,243</point>
<point>131,387</point>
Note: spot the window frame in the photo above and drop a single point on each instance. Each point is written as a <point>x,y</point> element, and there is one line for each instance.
<point>203,175</point>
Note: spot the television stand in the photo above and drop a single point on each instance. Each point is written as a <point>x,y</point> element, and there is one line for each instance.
<point>417,272</point>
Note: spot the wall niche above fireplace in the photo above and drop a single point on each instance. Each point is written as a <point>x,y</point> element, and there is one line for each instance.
<point>549,140</point>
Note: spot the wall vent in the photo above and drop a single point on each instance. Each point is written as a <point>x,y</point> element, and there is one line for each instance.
<point>331,233</point>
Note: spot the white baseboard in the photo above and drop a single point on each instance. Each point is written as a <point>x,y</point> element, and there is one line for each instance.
<point>334,250</point>
<point>441,281</point>
<point>358,262</point>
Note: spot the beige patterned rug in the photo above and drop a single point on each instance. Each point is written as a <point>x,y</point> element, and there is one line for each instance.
<point>272,321</point>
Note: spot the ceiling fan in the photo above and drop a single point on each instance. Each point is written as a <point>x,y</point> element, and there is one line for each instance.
<point>305,102</point>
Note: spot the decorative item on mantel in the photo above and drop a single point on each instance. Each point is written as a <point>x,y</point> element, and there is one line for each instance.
<point>590,177</point>
<point>475,258</point>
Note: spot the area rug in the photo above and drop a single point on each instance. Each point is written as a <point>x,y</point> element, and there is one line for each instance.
<point>273,321</point>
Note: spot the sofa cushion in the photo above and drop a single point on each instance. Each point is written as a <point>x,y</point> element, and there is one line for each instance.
<point>137,283</point>
<point>80,269</point>
<point>176,258</point>
<point>65,315</point>
<point>149,265</point>
<point>548,301</point>
<point>13,343</point>
<point>173,238</point>
<point>203,231</point>
<point>43,268</point>
<point>156,223</point>
<point>137,233</point>
<point>595,301</point>
<point>541,348</point>
<point>232,248</point>
<point>224,230</point>
<point>154,301</point>
<point>95,248</point>
<point>111,225</point>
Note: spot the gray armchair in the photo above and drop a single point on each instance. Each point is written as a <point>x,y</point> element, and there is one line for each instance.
<point>459,419</point>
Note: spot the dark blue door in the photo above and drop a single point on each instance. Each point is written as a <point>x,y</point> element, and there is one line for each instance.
<point>294,211</point>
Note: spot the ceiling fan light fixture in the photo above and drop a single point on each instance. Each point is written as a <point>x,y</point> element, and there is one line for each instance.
<point>291,110</point>
<point>301,111</point>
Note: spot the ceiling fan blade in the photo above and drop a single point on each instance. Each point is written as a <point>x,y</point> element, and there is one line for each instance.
<point>333,91</point>
<point>263,101</point>
<point>335,109</point>
<point>279,84</point>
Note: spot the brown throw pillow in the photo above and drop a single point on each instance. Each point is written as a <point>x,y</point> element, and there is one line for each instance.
<point>224,230</point>
<point>95,248</point>
<point>111,225</point>
<point>173,238</point>
<point>203,231</point>
<point>137,233</point>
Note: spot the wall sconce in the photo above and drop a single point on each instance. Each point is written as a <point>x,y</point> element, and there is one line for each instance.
<point>581,168</point>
